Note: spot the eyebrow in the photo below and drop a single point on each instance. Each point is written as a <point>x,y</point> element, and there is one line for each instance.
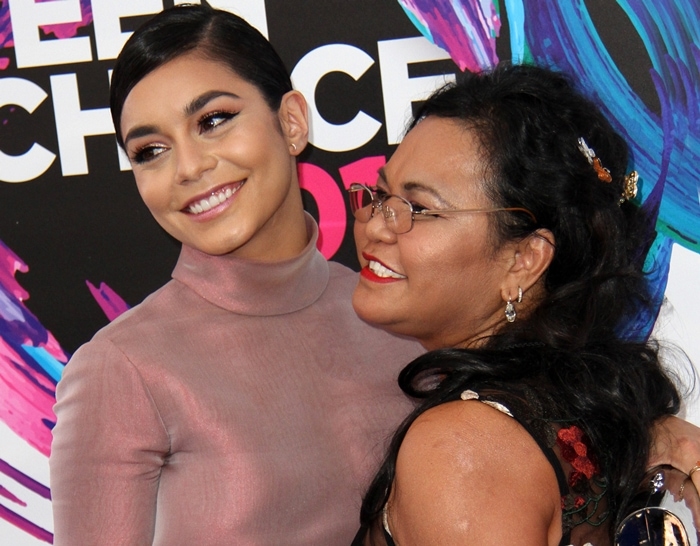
<point>141,130</point>
<point>202,100</point>
<point>417,186</point>
<point>191,108</point>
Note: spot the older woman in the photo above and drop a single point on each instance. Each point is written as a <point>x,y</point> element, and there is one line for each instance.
<point>501,236</point>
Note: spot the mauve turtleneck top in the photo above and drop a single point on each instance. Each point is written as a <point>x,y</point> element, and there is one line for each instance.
<point>242,403</point>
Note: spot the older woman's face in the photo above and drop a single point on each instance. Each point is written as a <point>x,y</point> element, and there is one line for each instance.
<point>440,282</point>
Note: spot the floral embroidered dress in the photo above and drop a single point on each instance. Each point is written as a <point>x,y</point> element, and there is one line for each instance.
<point>585,520</point>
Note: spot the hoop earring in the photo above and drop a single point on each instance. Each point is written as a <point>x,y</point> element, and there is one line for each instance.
<point>510,311</point>
<point>294,147</point>
<point>520,295</point>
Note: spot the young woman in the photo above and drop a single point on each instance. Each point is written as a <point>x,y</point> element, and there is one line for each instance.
<point>502,237</point>
<point>231,406</point>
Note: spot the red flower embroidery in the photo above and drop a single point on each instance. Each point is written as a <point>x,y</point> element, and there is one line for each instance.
<point>574,449</point>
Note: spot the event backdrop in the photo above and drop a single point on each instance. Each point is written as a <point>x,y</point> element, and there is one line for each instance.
<point>75,236</point>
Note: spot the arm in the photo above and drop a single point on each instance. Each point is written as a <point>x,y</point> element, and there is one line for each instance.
<point>469,474</point>
<point>676,443</point>
<point>108,449</point>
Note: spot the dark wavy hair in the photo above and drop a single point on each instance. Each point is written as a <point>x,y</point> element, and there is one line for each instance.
<point>214,34</point>
<point>568,348</point>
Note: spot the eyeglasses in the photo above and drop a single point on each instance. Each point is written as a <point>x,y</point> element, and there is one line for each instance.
<point>398,213</point>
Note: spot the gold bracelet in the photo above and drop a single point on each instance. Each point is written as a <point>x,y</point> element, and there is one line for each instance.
<point>694,469</point>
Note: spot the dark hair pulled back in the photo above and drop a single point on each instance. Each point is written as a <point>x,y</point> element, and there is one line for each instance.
<point>214,34</point>
<point>529,120</point>
<point>570,347</point>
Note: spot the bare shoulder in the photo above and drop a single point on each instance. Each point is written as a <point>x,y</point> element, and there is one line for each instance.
<point>468,473</point>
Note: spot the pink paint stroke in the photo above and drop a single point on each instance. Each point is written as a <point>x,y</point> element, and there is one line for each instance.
<point>5,25</point>
<point>111,303</point>
<point>9,496</point>
<point>68,30</point>
<point>25,525</point>
<point>27,391</point>
<point>62,30</point>
<point>26,481</point>
<point>466,29</point>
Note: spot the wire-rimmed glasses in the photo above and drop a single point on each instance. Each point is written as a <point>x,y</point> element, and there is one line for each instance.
<point>398,213</point>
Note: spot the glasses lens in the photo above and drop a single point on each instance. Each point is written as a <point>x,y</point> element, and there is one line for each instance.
<point>398,214</point>
<point>360,202</point>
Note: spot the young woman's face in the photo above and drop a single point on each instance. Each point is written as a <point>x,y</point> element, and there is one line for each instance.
<point>440,282</point>
<point>213,163</point>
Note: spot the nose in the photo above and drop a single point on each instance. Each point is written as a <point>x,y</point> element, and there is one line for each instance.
<point>377,230</point>
<point>193,160</point>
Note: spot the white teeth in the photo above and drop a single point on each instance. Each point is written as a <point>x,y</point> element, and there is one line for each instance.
<point>212,201</point>
<point>380,271</point>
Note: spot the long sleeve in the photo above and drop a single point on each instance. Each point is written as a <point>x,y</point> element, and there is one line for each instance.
<point>241,403</point>
<point>108,450</point>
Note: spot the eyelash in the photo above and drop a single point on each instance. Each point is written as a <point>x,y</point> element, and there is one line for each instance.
<point>141,155</point>
<point>211,116</point>
<point>206,124</point>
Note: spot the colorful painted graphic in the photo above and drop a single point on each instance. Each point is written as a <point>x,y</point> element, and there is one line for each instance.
<point>62,30</point>
<point>31,361</point>
<point>665,145</point>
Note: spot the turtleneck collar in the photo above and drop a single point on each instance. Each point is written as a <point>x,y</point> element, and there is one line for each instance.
<point>249,287</point>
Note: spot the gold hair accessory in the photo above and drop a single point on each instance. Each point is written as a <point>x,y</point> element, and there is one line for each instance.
<point>589,154</point>
<point>629,190</point>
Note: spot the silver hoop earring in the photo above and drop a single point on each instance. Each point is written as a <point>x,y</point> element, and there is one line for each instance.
<point>520,295</point>
<point>510,311</point>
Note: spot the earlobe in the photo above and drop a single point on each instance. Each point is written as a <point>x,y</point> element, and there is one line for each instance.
<point>294,121</point>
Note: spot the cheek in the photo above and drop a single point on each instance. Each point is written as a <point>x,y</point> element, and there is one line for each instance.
<point>430,259</point>
<point>448,268</point>
<point>260,143</point>
<point>151,190</point>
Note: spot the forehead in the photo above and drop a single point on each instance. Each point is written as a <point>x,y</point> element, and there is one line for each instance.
<point>174,84</point>
<point>440,153</point>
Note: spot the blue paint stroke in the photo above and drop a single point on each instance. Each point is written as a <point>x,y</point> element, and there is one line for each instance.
<point>564,36</point>
<point>516,23</point>
<point>46,361</point>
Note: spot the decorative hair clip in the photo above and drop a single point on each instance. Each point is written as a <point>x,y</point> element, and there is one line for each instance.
<point>589,154</point>
<point>629,190</point>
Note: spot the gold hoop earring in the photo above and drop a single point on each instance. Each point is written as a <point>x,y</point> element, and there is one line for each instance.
<point>294,147</point>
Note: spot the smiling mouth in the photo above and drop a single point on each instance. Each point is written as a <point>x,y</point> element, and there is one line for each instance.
<point>213,200</point>
<point>383,272</point>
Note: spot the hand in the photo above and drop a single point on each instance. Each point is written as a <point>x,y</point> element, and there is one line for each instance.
<point>676,443</point>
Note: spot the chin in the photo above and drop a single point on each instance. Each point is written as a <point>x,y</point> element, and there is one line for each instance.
<point>370,310</point>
